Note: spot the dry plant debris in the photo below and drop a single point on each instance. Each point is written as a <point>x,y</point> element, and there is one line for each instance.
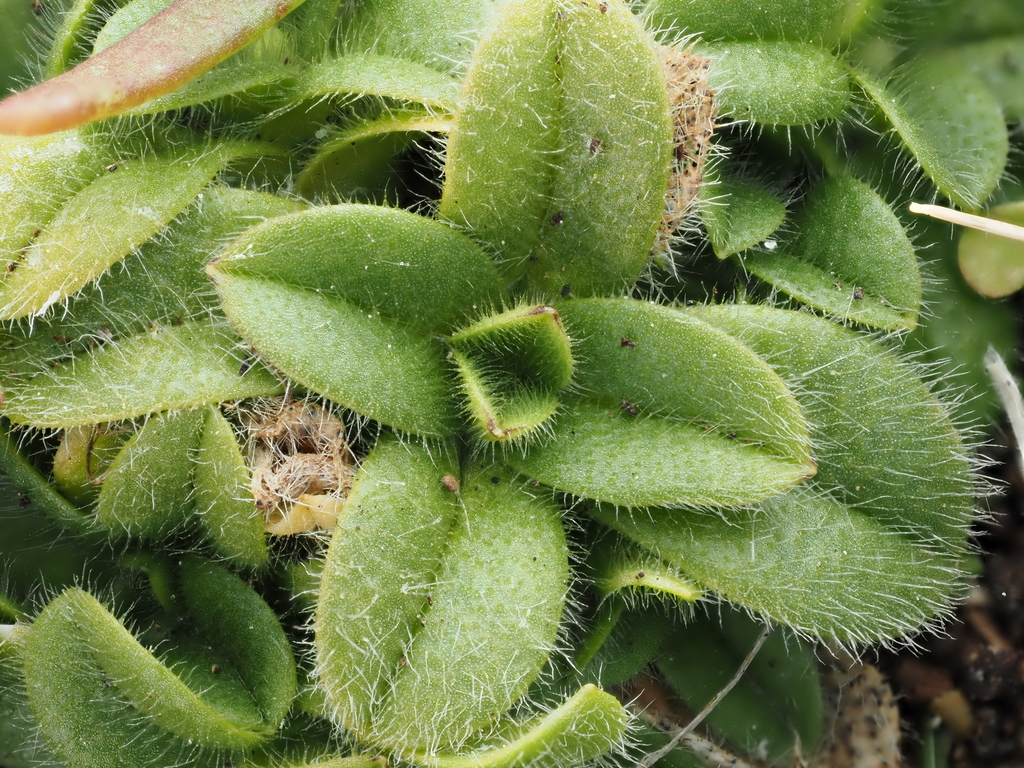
<point>302,466</point>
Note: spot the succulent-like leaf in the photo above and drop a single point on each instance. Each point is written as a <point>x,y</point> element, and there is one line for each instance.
<point>950,122</point>
<point>775,709</point>
<point>375,74</point>
<point>470,587</point>
<point>738,213</point>
<point>585,727</point>
<point>223,498</point>
<point>870,548</point>
<point>134,201</point>
<point>344,300</point>
<point>512,367</point>
<point>777,82</point>
<point>162,283</point>
<point>172,48</point>
<point>587,98</point>
<point>851,258</point>
<point>818,21</point>
<point>670,412</point>
<point>182,366</point>
<point>112,699</point>
<point>993,265</point>
<point>356,165</point>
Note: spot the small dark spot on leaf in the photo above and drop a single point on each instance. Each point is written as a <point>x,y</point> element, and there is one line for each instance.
<point>215,669</point>
<point>245,366</point>
<point>629,408</point>
<point>112,167</point>
<point>495,479</point>
<point>603,7</point>
<point>566,290</point>
<point>731,435</point>
<point>627,343</point>
<point>556,219</point>
<point>858,293</point>
<point>23,500</point>
<point>595,146</point>
<point>640,575</point>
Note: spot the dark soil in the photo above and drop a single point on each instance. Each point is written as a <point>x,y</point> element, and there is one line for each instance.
<point>962,698</point>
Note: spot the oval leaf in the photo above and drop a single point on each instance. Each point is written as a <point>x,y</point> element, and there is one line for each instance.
<point>949,122</point>
<point>739,213</point>
<point>182,366</point>
<point>870,549</point>
<point>365,285</point>
<point>562,102</point>
<point>777,82</point>
<point>851,258</point>
<point>993,265</point>
<point>135,200</point>
<point>469,588</point>
<point>671,412</point>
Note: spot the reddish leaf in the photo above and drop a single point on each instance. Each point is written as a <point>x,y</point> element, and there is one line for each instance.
<point>175,46</point>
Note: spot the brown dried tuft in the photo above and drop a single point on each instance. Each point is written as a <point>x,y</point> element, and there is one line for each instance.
<point>692,102</point>
<point>301,465</point>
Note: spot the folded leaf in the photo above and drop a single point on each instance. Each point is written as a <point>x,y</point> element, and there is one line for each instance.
<point>868,550</point>
<point>777,82</point>
<point>133,201</point>
<point>819,21</point>
<point>585,727</point>
<point>563,101</point>
<point>949,122</point>
<point>669,412</point>
<point>346,299</point>
<point>851,258</point>
<point>512,367</point>
<point>181,366</point>
<point>468,588</point>
<point>108,698</point>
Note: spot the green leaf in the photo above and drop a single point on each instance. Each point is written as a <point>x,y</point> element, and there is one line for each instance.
<point>73,37</point>
<point>133,201</point>
<point>97,695</point>
<point>670,412</point>
<point>223,497</point>
<point>182,366</point>
<point>998,63</point>
<point>126,20</point>
<point>994,265</point>
<point>562,101</point>
<point>439,35</point>
<point>950,122</point>
<point>774,711</point>
<point>620,642</point>
<point>241,627</point>
<point>364,285</point>
<point>162,283</point>
<point>585,727</point>
<point>166,52</point>
<point>469,587</point>
<point>16,34</point>
<point>37,176</point>
<point>375,74</point>
<point>850,258</point>
<point>32,489</point>
<point>821,21</point>
<point>870,549</point>
<point>512,367</point>
<point>738,212</point>
<point>148,492</point>
<point>357,164</point>
<point>777,82</point>
<point>623,569</point>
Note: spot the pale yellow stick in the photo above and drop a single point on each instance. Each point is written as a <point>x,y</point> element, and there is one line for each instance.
<point>981,223</point>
